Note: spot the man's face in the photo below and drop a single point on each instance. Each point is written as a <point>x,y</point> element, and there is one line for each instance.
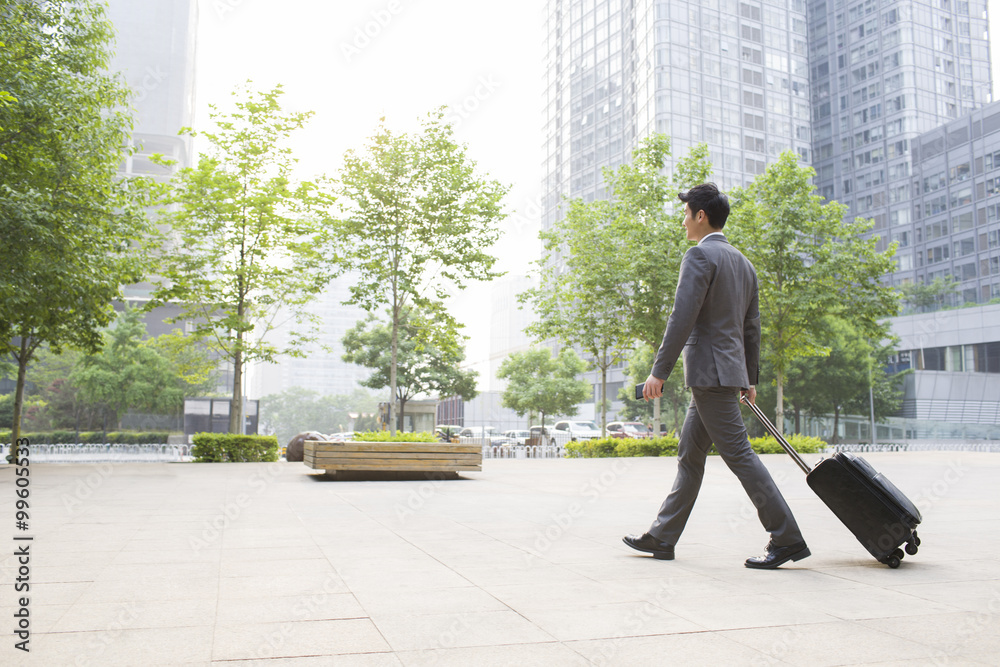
<point>690,223</point>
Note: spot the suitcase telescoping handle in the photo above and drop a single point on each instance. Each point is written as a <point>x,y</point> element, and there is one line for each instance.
<point>777,436</point>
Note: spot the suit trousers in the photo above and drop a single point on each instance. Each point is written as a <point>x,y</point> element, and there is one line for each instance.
<point>714,416</point>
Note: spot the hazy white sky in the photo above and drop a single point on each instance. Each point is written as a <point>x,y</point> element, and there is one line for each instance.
<point>353,62</point>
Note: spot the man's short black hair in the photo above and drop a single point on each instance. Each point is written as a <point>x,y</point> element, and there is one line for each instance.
<point>708,198</point>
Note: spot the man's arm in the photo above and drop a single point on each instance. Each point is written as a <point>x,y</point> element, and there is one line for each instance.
<point>692,286</point>
<point>751,337</point>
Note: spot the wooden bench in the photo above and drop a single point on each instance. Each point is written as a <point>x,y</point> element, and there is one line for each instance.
<point>394,457</point>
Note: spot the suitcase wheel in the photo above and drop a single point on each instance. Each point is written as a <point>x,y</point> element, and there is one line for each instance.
<point>916,539</point>
<point>911,548</point>
<point>892,561</point>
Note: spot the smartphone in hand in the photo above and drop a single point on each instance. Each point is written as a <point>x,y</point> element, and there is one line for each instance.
<point>638,391</point>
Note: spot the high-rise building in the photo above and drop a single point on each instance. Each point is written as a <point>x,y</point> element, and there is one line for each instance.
<point>850,86</point>
<point>155,50</point>
<point>882,73</point>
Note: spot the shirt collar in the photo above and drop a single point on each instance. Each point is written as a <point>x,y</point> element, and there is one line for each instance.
<point>706,236</point>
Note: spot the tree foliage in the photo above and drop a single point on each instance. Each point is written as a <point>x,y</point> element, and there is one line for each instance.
<point>419,221</point>
<point>249,243</point>
<point>128,373</point>
<point>538,383</point>
<point>610,267</point>
<point>428,357</point>
<point>810,264</point>
<point>73,229</point>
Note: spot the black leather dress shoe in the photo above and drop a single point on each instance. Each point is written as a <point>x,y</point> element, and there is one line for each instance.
<point>649,544</point>
<point>776,556</point>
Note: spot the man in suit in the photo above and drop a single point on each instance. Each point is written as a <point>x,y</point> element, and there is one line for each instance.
<point>715,323</point>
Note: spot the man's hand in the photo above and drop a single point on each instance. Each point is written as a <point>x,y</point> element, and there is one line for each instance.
<point>653,388</point>
<point>751,394</point>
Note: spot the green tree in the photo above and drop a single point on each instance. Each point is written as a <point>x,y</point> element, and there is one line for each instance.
<point>810,264</point>
<point>419,220</point>
<point>576,303</point>
<point>839,382</point>
<point>539,383</point>
<point>923,297</point>
<point>610,268</point>
<point>73,229</point>
<point>250,244</point>
<point>128,372</point>
<point>427,360</point>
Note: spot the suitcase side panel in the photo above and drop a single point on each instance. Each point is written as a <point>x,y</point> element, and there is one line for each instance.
<point>881,486</point>
<point>879,527</point>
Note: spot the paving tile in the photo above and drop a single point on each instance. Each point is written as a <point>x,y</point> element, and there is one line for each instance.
<point>318,606</point>
<point>953,637</point>
<point>137,614</point>
<point>837,643</point>
<point>406,632</point>
<point>869,602</point>
<point>741,611</point>
<point>698,648</point>
<point>608,621</point>
<point>435,601</point>
<point>256,641</point>
<point>522,655</point>
<point>265,585</point>
<point>340,660</point>
<point>116,645</point>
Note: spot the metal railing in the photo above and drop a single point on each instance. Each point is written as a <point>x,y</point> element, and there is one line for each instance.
<point>523,452</point>
<point>991,446</point>
<point>107,453</point>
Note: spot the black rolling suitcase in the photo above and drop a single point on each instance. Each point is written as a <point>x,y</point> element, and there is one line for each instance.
<point>879,514</point>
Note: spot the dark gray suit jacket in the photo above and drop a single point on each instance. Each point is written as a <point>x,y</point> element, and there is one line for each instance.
<point>715,320</point>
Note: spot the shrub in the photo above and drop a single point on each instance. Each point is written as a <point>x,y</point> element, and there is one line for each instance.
<point>667,446</point>
<point>385,436</point>
<point>803,444</point>
<point>232,447</point>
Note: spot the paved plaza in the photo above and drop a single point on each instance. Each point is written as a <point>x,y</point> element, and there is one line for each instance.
<point>520,564</point>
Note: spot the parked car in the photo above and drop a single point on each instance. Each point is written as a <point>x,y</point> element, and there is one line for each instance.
<point>542,436</point>
<point>518,436</point>
<point>566,431</point>
<point>482,435</point>
<point>447,432</point>
<point>629,430</point>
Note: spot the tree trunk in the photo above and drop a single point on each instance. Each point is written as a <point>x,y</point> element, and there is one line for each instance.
<point>836,423</point>
<point>779,411</point>
<point>798,419</point>
<point>604,394</point>
<point>236,406</point>
<point>22,369</point>
<point>392,368</point>
<point>656,416</point>
<point>402,414</point>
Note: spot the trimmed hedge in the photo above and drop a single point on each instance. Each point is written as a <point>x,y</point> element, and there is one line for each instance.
<point>233,447</point>
<point>91,437</point>
<point>667,446</point>
<point>385,436</point>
